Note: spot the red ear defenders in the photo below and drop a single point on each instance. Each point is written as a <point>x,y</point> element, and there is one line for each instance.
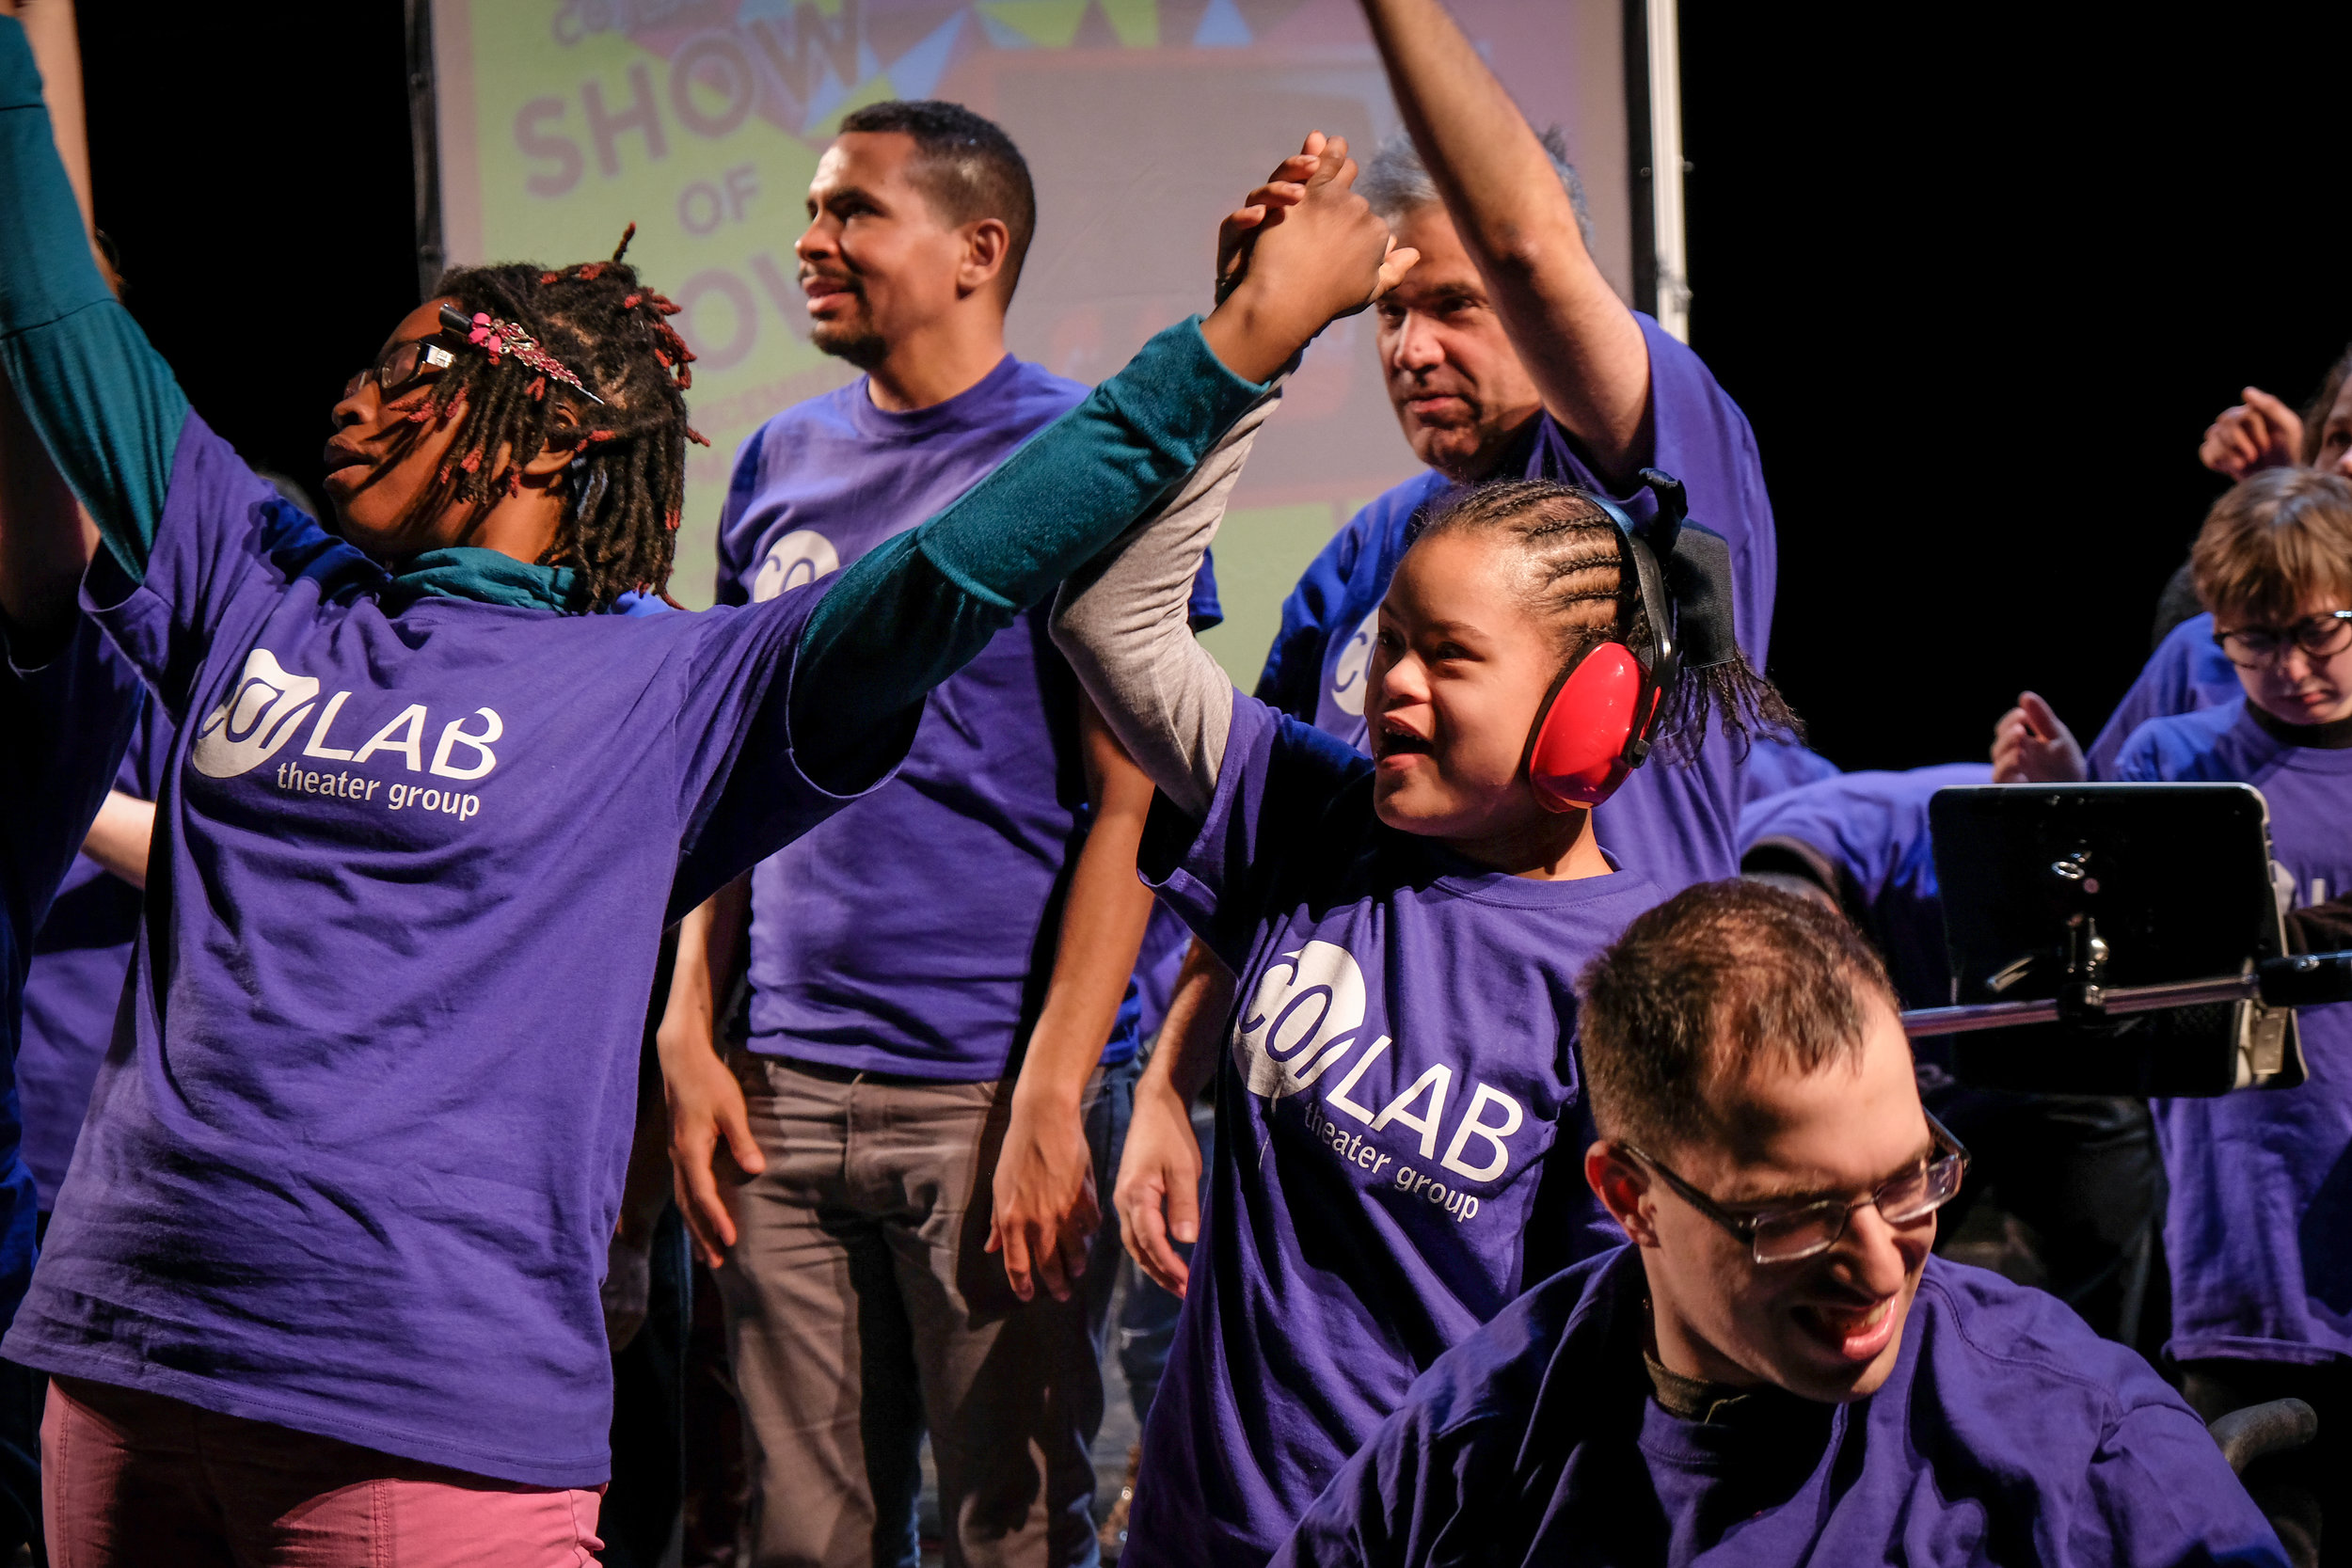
<point>1598,721</point>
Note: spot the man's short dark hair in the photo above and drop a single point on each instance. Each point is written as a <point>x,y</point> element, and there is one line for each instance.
<point>966,165</point>
<point>1701,989</point>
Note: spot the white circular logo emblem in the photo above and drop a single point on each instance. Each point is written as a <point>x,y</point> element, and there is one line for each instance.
<point>1307,1001</point>
<point>1353,670</point>
<point>800,557</point>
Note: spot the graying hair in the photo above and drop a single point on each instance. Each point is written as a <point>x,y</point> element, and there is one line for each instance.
<point>1397,182</point>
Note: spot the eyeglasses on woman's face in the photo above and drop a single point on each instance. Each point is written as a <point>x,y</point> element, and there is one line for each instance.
<point>401,367</point>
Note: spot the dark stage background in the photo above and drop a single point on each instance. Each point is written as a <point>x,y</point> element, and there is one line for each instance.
<point>1979,282</point>
<point>1980,278</point>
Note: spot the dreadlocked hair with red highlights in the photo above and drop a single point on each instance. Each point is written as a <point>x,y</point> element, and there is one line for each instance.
<point>625,488</point>
<point>1570,571</point>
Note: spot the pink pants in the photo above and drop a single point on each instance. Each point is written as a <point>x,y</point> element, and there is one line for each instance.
<point>133,1479</point>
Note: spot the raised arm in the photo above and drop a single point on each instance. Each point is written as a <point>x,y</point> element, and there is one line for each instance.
<point>1121,624</point>
<point>44,543</point>
<point>103,403</point>
<point>1577,338</point>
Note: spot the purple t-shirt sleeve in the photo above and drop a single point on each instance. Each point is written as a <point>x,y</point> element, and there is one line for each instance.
<point>1279,780</point>
<point>81,955</point>
<point>743,792</point>
<point>2152,1499</point>
<point>67,723</point>
<point>226,547</point>
<point>733,585</point>
<point>2177,748</point>
<point>1776,765</point>
<point>1397,1503</point>
<point>1704,440</point>
<point>2187,674</point>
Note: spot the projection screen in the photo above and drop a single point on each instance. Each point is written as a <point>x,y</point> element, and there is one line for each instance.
<point>550,124</point>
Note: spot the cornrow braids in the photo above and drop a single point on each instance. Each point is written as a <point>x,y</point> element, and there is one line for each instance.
<point>1574,577</point>
<point>625,488</point>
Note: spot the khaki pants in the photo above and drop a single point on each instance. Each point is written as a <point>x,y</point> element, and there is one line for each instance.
<point>861,1311</point>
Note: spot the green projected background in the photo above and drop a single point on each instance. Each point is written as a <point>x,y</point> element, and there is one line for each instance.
<point>1143,120</point>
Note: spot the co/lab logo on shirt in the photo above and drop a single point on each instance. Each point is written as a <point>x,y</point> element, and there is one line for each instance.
<point>269,703</point>
<point>1308,1016</point>
<point>1352,672</point>
<point>800,557</point>
<point>260,716</point>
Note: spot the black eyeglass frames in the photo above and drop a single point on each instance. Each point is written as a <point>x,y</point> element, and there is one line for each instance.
<point>401,367</point>
<point>1791,1235</point>
<point>2322,635</point>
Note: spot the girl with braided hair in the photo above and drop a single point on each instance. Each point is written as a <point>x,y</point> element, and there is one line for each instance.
<point>322,1282</point>
<point>1401,1119</point>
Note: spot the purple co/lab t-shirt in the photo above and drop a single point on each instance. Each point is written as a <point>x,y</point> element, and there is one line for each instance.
<point>355,1157</point>
<point>912,935</point>
<point>1400,1060</point>
<point>2258,1227</point>
<point>1674,825</point>
<point>80,959</point>
<point>2006,1433</point>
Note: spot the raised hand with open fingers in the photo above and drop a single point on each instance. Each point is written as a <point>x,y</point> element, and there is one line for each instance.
<point>2032,745</point>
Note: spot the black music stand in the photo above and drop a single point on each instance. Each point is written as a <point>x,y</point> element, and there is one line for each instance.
<point>2118,939</point>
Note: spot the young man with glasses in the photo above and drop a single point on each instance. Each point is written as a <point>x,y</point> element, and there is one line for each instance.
<point>2258,1229</point>
<point>1776,1371</point>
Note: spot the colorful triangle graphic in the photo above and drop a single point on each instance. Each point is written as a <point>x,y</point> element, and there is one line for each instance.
<point>1046,24</point>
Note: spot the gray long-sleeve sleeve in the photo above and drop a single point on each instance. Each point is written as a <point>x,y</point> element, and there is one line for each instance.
<point>1122,621</point>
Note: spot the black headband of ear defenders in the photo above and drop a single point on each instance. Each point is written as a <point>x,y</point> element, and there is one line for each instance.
<point>1693,609</point>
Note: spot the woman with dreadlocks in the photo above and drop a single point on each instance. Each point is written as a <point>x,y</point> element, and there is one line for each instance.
<point>321,1285</point>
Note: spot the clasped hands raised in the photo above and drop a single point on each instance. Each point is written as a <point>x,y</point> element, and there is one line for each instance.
<point>1303,250</point>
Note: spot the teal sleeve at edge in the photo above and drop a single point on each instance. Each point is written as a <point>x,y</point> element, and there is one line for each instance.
<point>918,609</point>
<point>105,404</point>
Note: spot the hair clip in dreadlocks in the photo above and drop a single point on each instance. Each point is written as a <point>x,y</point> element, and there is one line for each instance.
<point>497,337</point>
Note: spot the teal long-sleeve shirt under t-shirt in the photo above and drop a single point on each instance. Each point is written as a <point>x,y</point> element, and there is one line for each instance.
<point>353,1167</point>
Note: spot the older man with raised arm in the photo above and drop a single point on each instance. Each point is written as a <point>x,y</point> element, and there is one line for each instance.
<point>1507,354</point>
<point>1776,1371</point>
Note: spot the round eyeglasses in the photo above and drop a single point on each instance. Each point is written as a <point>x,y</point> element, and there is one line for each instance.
<point>1791,1235</point>
<point>2322,635</point>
